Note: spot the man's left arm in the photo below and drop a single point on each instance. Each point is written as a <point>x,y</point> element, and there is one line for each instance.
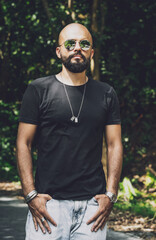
<point>114,166</point>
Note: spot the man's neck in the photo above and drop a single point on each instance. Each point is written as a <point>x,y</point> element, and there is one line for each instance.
<point>73,79</point>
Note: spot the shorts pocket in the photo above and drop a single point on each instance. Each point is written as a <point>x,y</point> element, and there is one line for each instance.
<point>95,200</point>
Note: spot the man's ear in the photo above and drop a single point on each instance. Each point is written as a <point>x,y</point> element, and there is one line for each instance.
<point>58,52</point>
<point>92,53</point>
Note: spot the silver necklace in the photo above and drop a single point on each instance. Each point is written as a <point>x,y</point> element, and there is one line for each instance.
<point>75,118</point>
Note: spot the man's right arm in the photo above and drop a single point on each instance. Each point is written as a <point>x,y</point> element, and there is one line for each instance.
<point>26,133</point>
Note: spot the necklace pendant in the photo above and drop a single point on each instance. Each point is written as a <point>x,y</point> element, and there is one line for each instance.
<point>76,120</point>
<point>72,118</point>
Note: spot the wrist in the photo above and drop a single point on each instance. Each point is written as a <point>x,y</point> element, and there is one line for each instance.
<point>112,197</point>
<point>30,196</point>
<point>27,187</point>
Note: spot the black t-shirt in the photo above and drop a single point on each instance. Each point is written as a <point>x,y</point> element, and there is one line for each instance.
<point>69,154</point>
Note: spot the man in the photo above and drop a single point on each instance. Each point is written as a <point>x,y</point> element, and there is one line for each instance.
<point>69,113</point>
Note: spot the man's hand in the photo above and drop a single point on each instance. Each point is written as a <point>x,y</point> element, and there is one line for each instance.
<point>100,217</point>
<point>38,209</point>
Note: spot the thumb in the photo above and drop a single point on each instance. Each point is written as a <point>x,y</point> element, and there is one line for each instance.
<point>96,197</point>
<point>47,197</point>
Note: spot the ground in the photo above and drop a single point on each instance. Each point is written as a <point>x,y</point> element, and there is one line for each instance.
<point>118,221</point>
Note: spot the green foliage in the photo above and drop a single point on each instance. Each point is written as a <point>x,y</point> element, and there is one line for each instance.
<point>140,208</point>
<point>150,180</point>
<point>8,131</point>
<point>138,202</point>
<point>128,65</point>
<point>128,192</point>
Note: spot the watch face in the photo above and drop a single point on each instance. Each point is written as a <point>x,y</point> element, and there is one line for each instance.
<point>112,197</point>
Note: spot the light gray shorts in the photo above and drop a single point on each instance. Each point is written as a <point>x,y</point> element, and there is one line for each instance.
<point>71,217</point>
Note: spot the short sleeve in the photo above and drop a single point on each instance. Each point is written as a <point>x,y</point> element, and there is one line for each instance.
<point>113,116</point>
<point>29,112</point>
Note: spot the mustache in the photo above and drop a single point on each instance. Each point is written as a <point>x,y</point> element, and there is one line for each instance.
<point>77,53</point>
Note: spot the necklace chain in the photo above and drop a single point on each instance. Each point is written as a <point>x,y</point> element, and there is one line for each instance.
<point>74,118</point>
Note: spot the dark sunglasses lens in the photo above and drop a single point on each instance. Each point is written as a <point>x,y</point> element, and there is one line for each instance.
<point>69,44</point>
<point>85,45</point>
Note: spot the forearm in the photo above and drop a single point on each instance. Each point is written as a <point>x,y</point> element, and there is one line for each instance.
<point>37,205</point>
<point>114,167</point>
<point>25,168</point>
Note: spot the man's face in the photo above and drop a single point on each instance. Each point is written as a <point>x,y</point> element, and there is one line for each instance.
<point>76,60</point>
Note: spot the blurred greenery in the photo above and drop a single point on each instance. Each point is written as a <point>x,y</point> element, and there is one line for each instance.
<point>8,131</point>
<point>123,33</point>
<point>140,202</point>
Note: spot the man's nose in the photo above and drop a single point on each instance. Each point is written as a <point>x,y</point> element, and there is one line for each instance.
<point>77,46</point>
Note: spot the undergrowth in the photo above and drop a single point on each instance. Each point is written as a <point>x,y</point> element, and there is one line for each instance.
<point>138,201</point>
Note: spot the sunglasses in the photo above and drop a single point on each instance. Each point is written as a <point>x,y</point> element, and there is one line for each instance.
<point>71,43</point>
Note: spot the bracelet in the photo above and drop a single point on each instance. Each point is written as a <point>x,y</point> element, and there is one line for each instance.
<point>30,196</point>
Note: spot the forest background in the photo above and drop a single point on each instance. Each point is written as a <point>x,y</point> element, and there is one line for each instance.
<point>124,43</point>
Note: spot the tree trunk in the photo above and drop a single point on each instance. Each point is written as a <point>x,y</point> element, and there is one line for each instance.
<point>49,15</point>
<point>98,7</point>
<point>4,69</point>
<point>70,6</point>
<point>95,68</point>
<point>103,8</point>
<point>46,8</point>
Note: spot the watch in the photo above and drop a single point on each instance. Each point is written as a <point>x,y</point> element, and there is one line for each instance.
<point>112,197</point>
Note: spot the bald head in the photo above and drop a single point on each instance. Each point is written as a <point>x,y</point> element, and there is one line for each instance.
<point>74,31</point>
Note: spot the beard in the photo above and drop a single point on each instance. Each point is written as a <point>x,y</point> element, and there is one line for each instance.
<point>76,67</point>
